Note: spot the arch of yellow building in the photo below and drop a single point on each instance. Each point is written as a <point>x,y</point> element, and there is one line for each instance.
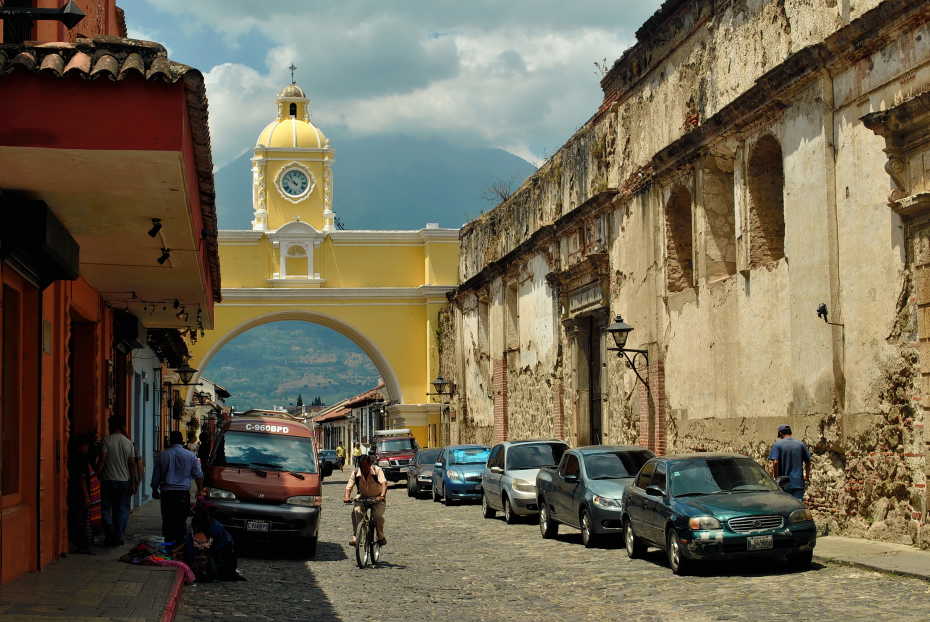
<point>381,289</point>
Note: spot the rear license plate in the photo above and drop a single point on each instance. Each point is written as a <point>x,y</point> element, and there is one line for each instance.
<point>759,543</point>
<point>257,525</point>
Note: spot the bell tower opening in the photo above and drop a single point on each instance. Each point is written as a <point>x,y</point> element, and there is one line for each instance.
<point>293,110</point>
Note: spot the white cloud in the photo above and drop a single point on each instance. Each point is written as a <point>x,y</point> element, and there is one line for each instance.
<point>517,75</point>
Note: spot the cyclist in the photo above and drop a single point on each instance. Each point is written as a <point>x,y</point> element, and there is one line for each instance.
<point>368,479</point>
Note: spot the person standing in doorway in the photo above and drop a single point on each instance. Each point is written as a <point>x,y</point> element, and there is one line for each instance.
<point>174,471</point>
<point>791,459</point>
<point>119,468</point>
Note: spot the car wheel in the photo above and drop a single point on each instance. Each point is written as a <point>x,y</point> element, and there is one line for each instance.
<point>547,527</point>
<point>588,538</point>
<point>435,495</point>
<point>801,559</point>
<point>486,508</point>
<point>679,564</point>
<point>445,499</point>
<point>635,547</point>
<point>509,517</point>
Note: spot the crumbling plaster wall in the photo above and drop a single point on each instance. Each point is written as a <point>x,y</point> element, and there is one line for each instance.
<point>745,353</point>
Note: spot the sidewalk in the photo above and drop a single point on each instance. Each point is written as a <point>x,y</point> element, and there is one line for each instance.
<point>98,588</point>
<point>896,559</point>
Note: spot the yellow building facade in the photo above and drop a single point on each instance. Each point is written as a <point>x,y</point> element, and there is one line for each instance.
<point>382,289</point>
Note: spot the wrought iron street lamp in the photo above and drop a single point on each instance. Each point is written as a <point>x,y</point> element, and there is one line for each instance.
<point>441,386</point>
<point>185,372</point>
<point>620,332</point>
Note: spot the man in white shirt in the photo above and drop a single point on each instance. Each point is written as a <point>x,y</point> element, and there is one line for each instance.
<point>118,473</point>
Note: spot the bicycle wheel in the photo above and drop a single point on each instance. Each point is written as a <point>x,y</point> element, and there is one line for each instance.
<point>362,547</point>
<point>375,556</point>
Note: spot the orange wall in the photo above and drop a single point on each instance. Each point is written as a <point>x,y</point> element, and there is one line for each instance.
<point>66,307</point>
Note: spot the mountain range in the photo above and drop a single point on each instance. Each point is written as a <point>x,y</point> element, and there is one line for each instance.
<point>390,182</point>
<point>381,182</point>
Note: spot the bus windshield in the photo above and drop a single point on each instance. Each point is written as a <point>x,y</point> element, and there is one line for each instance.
<point>266,451</point>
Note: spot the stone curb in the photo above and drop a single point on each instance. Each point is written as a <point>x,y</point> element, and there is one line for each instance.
<point>874,567</point>
<point>174,597</point>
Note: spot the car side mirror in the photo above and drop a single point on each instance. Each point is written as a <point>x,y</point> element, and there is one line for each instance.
<point>653,491</point>
<point>496,469</point>
<point>438,465</point>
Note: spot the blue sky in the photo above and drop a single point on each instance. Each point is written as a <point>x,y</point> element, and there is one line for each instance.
<point>513,74</point>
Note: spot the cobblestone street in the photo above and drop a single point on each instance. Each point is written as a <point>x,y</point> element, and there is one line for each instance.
<point>445,563</point>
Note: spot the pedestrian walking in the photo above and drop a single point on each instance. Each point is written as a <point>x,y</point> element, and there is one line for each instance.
<point>356,452</point>
<point>174,471</point>
<point>118,470</point>
<point>341,455</point>
<point>792,460</point>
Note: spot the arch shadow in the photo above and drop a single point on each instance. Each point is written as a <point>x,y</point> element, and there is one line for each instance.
<point>391,384</point>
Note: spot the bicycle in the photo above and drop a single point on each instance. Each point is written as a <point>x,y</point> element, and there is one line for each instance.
<point>367,549</point>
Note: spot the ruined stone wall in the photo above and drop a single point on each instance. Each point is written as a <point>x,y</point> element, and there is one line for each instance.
<point>788,209</point>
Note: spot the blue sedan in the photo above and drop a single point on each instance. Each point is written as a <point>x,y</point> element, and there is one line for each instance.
<point>457,473</point>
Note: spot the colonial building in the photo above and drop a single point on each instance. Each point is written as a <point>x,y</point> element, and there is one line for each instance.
<point>107,250</point>
<point>752,197</point>
<point>382,289</point>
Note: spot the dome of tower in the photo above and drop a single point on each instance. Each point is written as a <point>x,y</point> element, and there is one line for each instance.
<point>292,128</point>
<point>291,90</point>
<point>292,133</point>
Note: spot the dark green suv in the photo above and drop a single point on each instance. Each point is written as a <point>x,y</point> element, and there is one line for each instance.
<point>713,506</point>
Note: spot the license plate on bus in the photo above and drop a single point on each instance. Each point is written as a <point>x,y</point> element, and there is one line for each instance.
<point>257,525</point>
<point>759,543</point>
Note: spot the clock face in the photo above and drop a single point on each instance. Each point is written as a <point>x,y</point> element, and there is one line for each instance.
<point>294,182</point>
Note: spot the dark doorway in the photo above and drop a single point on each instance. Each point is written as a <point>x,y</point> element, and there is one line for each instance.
<point>595,420</point>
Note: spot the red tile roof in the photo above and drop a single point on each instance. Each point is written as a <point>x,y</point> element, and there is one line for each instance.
<point>114,59</point>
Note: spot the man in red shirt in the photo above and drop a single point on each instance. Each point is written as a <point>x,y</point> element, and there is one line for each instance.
<point>370,482</point>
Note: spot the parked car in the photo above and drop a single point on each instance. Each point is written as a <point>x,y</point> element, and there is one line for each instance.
<point>508,481</point>
<point>393,451</point>
<point>329,461</point>
<point>585,491</point>
<point>712,506</point>
<point>457,473</point>
<point>420,472</point>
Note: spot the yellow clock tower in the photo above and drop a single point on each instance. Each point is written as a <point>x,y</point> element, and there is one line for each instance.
<point>292,177</point>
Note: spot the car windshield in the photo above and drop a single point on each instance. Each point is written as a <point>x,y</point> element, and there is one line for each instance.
<point>534,456</point>
<point>427,456</point>
<point>397,444</point>
<point>271,451</point>
<point>714,475</point>
<point>470,455</point>
<point>615,465</point>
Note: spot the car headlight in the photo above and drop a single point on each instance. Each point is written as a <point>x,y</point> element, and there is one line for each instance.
<point>800,516</point>
<point>456,476</point>
<point>521,485</point>
<point>607,503</point>
<point>383,463</point>
<point>304,500</point>
<point>703,522</point>
<point>219,493</point>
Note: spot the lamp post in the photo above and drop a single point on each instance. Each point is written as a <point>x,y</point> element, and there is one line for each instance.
<point>620,331</point>
<point>443,389</point>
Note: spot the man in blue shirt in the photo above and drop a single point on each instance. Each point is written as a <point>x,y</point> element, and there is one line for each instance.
<point>175,468</point>
<point>790,458</point>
